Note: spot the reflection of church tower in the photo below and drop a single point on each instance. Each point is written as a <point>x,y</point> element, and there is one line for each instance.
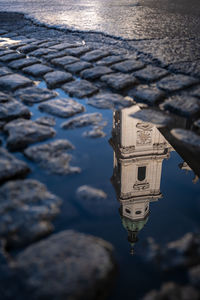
<point>139,149</point>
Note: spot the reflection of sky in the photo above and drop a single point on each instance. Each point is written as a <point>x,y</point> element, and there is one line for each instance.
<point>127,18</point>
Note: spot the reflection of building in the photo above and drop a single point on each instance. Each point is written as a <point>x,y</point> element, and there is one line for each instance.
<point>139,150</point>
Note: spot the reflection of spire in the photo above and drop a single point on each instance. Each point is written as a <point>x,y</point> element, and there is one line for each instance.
<point>139,149</point>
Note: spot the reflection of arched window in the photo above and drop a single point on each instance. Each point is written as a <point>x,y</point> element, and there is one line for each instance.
<point>141,173</point>
<point>138,212</point>
<point>127,210</point>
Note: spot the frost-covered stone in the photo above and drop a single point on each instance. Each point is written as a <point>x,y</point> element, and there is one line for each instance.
<point>53,157</point>
<point>148,94</point>
<point>27,208</point>
<point>63,108</point>
<point>95,55</point>
<point>63,61</point>
<point>176,82</point>
<point>22,63</point>
<point>14,81</point>
<point>22,132</point>
<point>95,72</point>
<point>37,70</point>
<point>83,120</point>
<point>119,81</point>
<point>183,105</point>
<point>77,67</point>
<point>56,78</point>
<point>11,167</point>
<point>80,88</point>
<point>127,66</point>
<point>11,109</point>
<point>33,95</point>
<point>76,265</point>
<point>110,101</point>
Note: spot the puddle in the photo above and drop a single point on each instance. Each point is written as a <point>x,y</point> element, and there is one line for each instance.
<point>152,192</point>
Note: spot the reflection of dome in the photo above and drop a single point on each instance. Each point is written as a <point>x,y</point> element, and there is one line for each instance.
<point>133,227</point>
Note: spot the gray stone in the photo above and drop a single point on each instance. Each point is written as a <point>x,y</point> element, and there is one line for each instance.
<point>95,132</point>
<point>63,108</point>
<point>173,291</point>
<point>48,121</point>
<point>194,276</point>
<point>80,88</point>
<point>127,66</point>
<point>95,55</point>
<point>37,70</point>
<point>153,116</point>
<point>53,157</point>
<point>110,101</point>
<point>27,48</point>
<point>33,95</point>
<point>5,71</point>
<point>12,56</point>
<point>26,209</point>
<point>148,94</point>
<point>186,106</point>
<point>78,51</point>
<point>11,167</point>
<point>83,120</point>
<point>78,66</point>
<point>64,45</point>
<point>56,78</point>
<point>95,72</point>
<point>41,51</point>
<point>67,265</point>
<point>11,109</point>
<point>150,73</point>
<point>110,60</point>
<point>187,137</point>
<point>63,61</point>
<point>22,63</point>
<point>24,132</point>
<point>119,81</point>
<point>177,82</point>
<point>14,81</point>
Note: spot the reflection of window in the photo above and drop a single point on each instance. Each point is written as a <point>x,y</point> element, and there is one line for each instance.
<point>141,173</point>
<point>146,208</point>
<point>127,210</point>
<point>138,212</point>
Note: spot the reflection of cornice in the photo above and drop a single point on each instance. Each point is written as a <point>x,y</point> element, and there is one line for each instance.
<point>130,198</point>
<point>130,160</point>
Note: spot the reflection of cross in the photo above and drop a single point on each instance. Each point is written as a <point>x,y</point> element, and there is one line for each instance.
<point>143,137</point>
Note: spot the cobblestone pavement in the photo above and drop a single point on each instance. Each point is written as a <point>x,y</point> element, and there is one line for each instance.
<point>105,74</point>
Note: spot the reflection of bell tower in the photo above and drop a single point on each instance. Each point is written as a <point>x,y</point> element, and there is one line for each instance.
<point>139,150</point>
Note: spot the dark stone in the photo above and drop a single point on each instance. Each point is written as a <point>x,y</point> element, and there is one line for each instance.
<point>150,73</point>
<point>53,157</point>
<point>147,94</point>
<point>41,51</point>
<point>110,60</point>
<point>24,132</point>
<point>26,209</point>
<point>83,120</point>
<point>56,78</point>
<point>183,105</point>
<point>78,51</point>
<point>11,56</point>
<point>35,95</point>
<point>14,81</point>
<point>5,71</point>
<point>63,108</point>
<point>95,72</point>
<point>177,82</point>
<point>119,81</point>
<point>95,55</point>
<point>127,66</point>
<point>11,167</point>
<point>78,67</point>
<point>37,70</point>
<point>67,265</point>
<point>27,48</point>
<point>63,61</point>
<point>22,63</point>
<point>80,88</point>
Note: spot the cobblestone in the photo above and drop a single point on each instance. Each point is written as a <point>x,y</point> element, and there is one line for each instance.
<point>77,67</point>
<point>5,71</point>
<point>63,61</point>
<point>63,108</point>
<point>22,63</point>
<point>95,73</point>
<point>80,88</point>
<point>33,95</point>
<point>78,51</point>
<point>37,70</point>
<point>109,101</point>
<point>27,48</point>
<point>95,55</point>
<point>119,81</point>
<point>150,73</point>
<point>14,81</point>
<point>110,60</point>
<point>12,56</point>
<point>149,94</point>
<point>128,66</point>
<point>84,120</point>
<point>174,83</point>
<point>56,78</point>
